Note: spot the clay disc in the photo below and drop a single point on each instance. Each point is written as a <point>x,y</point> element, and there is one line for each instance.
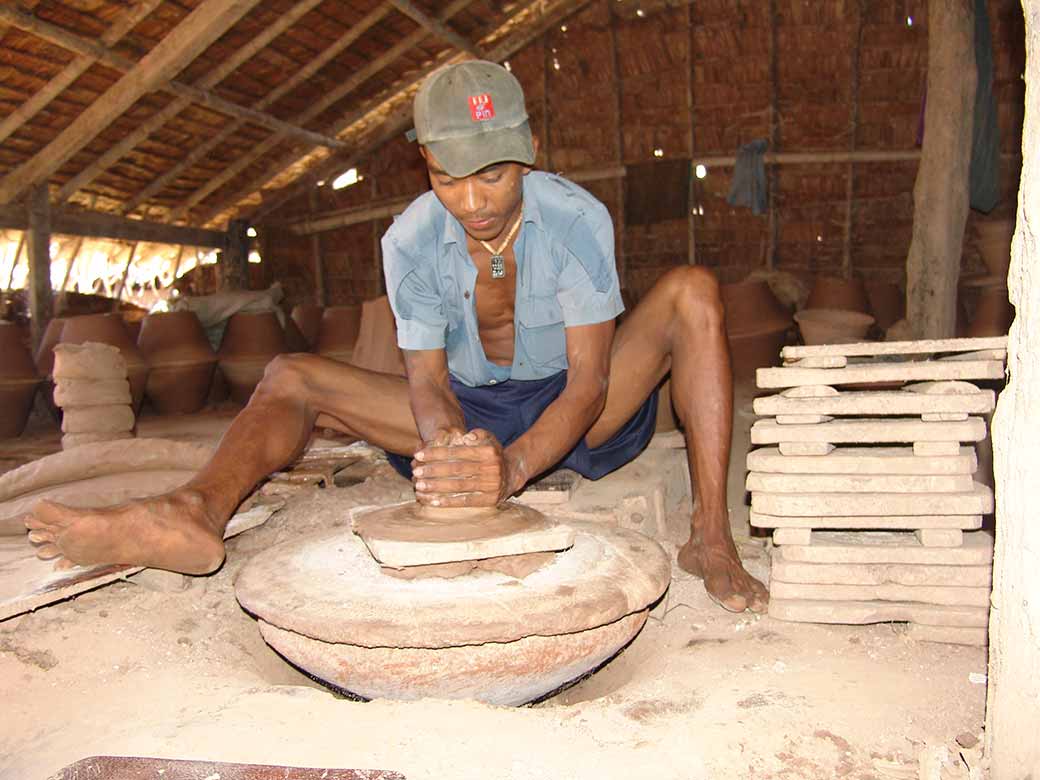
<point>413,535</point>
<point>328,587</point>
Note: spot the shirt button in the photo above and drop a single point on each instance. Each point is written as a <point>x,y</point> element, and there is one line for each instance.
<point>493,382</point>
<point>466,294</point>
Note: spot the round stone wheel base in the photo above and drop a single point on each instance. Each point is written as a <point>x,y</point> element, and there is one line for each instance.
<point>502,673</point>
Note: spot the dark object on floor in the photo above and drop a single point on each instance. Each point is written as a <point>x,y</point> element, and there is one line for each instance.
<point>138,768</point>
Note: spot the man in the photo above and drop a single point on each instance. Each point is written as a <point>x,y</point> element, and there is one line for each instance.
<point>504,287</point>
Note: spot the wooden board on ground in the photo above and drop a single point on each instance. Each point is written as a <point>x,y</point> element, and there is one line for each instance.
<point>917,594</point>
<point>920,347</point>
<point>858,483</point>
<point>880,574</point>
<point>862,460</point>
<point>866,522</point>
<point>863,612</point>
<point>953,635</point>
<point>978,501</point>
<point>27,583</point>
<point>881,402</point>
<point>869,431</point>
<point>896,547</point>
<point>923,371</point>
<point>556,488</point>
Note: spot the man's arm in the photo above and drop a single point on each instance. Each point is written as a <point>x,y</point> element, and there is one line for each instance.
<point>437,412</point>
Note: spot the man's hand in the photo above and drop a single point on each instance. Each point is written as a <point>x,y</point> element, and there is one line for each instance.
<point>463,469</point>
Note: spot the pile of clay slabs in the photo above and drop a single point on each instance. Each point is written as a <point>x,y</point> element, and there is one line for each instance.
<point>864,467</point>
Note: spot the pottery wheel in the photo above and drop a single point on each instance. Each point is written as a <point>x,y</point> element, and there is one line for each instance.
<point>410,534</point>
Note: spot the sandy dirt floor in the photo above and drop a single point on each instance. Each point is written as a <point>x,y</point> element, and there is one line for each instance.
<point>134,670</point>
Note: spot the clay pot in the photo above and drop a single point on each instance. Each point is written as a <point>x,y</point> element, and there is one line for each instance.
<point>887,303</point>
<point>45,352</point>
<point>295,341</point>
<point>832,326</point>
<point>18,381</point>
<point>307,317</point>
<point>338,332</point>
<point>181,360</point>
<point>110,329</point>
<point>751,307</point>
<point>829,292</point>
<point>751,351</point>
<point>376,348</point>
<point>993,313</point>
<point>251,341</point>
<point>994,243</point>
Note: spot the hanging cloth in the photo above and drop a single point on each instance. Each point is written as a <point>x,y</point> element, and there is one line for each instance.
<point>984,178</point>
<point>749,187</point>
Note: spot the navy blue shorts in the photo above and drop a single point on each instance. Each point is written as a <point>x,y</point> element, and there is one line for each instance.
<point>509,408</point>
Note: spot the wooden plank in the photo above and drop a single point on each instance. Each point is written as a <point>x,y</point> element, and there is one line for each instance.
<point>41,306</point>
<point>867,522</point>
<point>871,431</point>
<point>862,460</point>
<point>94,224</point>
<point>926,370</point>
<point>207,82</point>
<point>954,595</point>
<point>878,402</point>
<point>207,22</point>
<point>858,483</point>
<point>438,28</point>
<point>863,612</point>
<point>888,547</point>
<point>872,348</point>
<point>977,576</point>
<point>932,510</point>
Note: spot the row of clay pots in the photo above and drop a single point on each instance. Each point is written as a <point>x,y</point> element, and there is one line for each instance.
<point>756,326</point>
<point>18,381</point>
<point>181,359</point>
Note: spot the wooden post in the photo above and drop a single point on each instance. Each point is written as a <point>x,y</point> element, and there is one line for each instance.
<point>122,280</point>
<point>321,296</point>
<point>772,175</point>
<point>17,257</point>
<point>850,172</point>
<point>234,265</point>
<point>691,224</point>
<point>619,142</point>
<point>941,189</point>
<point>38,217</point>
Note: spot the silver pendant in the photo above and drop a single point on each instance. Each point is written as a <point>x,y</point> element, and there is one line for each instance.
<point>498,267</point>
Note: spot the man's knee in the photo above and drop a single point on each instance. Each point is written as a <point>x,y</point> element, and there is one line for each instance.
<point>697,296</point>
<point>286,377</point>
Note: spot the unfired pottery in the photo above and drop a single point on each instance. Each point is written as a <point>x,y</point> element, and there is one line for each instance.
<point>832,326</point>
<point>307,317</point>
<point>110,329</point>
<point>376,348</point>
<point>830,292</point>
<point>18,381</point>
<point>251,341</point>
<point>324,604</point>
<point>181,359</point>
<point>338,332</point>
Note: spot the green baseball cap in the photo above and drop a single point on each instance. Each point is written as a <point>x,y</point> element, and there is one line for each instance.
<point>471,115</point>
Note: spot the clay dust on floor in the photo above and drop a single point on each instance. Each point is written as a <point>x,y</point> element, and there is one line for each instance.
<point>699,693</point>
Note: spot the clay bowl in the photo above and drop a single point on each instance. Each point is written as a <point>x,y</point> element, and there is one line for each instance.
<point>110,329</point>
<point>752,351</point>
<point>324,604</point>
<point>887,303</point>
<point>18,381</point>
<point>338,332</point>
<point>994,243</point>
<point>829,292</point>
<point>181,360</point>
<point>993,313</point>
<point>376,348</point>
<point>307,317</point>
<point>751,307</point>
<point>251,341</point>
<point>832,326</point>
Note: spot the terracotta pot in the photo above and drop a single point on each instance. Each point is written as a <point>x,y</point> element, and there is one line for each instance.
<point>181,360</point>
<point>338,333</point>
<point>251,341</point>
<point>993,313</point>
<point>832,326</point>
<point>829,292</point>
<point>295,341</point>
<point>307,317</point>
<point>45,352</point>
<point>751,351</point>
<point>376,348</point>
<point>887,303</point>
<point>110,329</point>
<point>751,307</point>
<point>994,243</point>
<point>18,381</point>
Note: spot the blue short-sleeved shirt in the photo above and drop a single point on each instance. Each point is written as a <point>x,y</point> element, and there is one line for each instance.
<point>566,276</point>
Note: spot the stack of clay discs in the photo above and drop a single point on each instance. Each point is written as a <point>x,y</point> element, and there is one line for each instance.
<point>91,387</point>
<point>865,473</point>
<point>110,329</point>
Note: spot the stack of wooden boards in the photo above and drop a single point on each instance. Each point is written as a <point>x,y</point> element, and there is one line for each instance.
<point>866,474</point>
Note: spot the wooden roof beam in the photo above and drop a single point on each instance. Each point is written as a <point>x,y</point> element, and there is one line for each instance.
<point>437,28</point>
<point>357,79</point>
<point>540,17</point>
<point>201,150</point>
<point>124,23</point>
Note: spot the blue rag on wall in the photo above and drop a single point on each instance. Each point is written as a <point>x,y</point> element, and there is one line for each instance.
<point>984,177</point>
<point>749,187</point>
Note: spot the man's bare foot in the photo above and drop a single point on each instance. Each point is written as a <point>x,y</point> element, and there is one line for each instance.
<point>172,531</point>
<point>727,582</point>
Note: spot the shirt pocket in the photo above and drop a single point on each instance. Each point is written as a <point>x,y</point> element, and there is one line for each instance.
<point>541,332</point>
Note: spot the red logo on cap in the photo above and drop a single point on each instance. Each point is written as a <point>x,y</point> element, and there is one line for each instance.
<point>481,108</point>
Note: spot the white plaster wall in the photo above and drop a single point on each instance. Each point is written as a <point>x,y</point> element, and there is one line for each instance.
<point>1013,707</point>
